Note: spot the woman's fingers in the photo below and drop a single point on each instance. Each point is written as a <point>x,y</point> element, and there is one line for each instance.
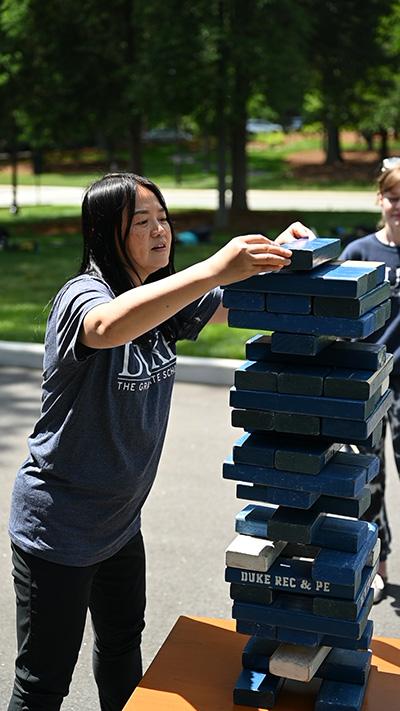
<point>271,249</point>
<point>269,259</point>
<point>295,231</point>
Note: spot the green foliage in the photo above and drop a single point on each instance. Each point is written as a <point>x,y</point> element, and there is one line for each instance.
<point>29,279</point>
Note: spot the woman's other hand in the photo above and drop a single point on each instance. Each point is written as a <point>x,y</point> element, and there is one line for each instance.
<point>295,231</point>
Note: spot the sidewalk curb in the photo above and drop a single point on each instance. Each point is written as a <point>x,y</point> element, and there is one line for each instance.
<point>207,371</point>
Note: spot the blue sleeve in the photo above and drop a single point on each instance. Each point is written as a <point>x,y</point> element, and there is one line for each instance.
<point>194,317</point>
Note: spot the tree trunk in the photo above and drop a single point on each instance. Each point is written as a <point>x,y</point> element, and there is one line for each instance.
<point>332,143</point>
<point>135,145</point>
<point>14,208</point>
<point>221,217</point>
<point>238,113</point>
<point>368,137</point>
<point>131,53</point>
<point>239,164</point>
<point>384,145</point>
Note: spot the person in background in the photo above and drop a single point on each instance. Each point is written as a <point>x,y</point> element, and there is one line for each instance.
<point>109,364</point>
<point>384,246</point>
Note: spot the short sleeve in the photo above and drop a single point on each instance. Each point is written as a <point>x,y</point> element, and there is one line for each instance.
<point>71,305</point>
<point>194,317</point>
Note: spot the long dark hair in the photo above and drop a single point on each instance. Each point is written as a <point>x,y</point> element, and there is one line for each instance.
<point>104,205</point>
<point>106,202</point>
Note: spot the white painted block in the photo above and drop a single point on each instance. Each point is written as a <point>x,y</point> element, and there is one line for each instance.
<point>374,555</point>
<point>296,661</point>
<point>385,385</point>
<point>253,553</point>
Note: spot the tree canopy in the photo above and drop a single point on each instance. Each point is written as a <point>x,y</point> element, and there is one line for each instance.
<point>87,72</point>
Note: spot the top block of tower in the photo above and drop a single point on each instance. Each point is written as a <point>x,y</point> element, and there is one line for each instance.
<point>311,253</point>
<point>338,279</point>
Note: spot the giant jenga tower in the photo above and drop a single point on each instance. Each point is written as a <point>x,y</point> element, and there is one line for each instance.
<point>302,564</point>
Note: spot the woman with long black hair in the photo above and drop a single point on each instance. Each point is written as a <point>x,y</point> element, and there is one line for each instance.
<point>108,374</point>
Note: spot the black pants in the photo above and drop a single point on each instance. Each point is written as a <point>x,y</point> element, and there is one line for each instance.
<point>377,510</point>
<point>52,603</point>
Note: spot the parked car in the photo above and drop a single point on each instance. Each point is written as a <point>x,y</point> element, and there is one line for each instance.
<point>167,135</point>
<point>262,126</point>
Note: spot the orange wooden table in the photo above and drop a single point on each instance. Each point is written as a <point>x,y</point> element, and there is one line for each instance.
<point>199,662</point>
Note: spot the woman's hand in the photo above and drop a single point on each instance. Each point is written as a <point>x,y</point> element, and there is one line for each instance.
<point>245,256</point>
<point>295,231</point>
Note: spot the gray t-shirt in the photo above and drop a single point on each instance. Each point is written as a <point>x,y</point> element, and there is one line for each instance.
<point>94,452</point>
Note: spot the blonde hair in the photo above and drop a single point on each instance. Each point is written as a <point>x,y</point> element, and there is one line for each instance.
<point>388,179</point>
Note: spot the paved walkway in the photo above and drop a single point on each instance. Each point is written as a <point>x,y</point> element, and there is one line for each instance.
<point>301,200</point>
<point>188,522</point>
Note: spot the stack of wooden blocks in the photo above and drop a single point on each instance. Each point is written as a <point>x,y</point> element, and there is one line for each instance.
<point>302,564</point>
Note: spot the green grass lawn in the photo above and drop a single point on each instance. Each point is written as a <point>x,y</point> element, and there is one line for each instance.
<point>267,165</point>
<point>29,279</point>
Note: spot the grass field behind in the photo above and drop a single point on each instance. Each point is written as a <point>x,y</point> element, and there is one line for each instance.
<point>269,164</point>
<point>46,251</point>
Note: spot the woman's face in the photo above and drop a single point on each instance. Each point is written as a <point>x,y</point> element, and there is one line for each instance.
<point>149,240</point>
<point>389,202</point>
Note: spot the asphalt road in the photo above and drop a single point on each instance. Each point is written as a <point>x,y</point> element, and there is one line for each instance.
<point>188,522</point>
<point>207,199</point>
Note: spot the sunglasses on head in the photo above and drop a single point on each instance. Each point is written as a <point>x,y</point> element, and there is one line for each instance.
<point>389,163</point>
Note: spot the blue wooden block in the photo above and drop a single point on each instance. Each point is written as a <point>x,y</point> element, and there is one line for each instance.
<point>294,454</point>
<point>360,384</point>
<point>295,612</point>
<point>346,609</point>
<point>334,279</point>
<point>346,665</point>
<point>351,308</point>
<point>301,379</point>
<point>254,420</point>
<point>285,422</point>
<point>253,520</point>
<point>294,526</point>
<point>341,567</point>
<point>288,303</point>
<point>319,325</point>
<point>325,407</point>
<point>310,639</point>
<point>253,375</point>
<point>291,636</point>
<point>267,421</point>
<point>338,429</point>
<point>363,643</point>
<point>371,441</point>
<point>243,300</point>
<point>254,449</point>
<point>249,593</point>
<point>370,462</point>
<point>301,344</point>
<point>256,653</point>
<point>341,534</point>
<point>291,575</point>
<point>280,634</point>
<point>301,526</point>
<point>345,354</point>
<point>273,495</point>
<point>334,479</point>
<point>354,508</point>
<point>311,253</point>
<point>340,696</point>
<point>303,455</point>
<point>254,628</point>
<point>256,689</point>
